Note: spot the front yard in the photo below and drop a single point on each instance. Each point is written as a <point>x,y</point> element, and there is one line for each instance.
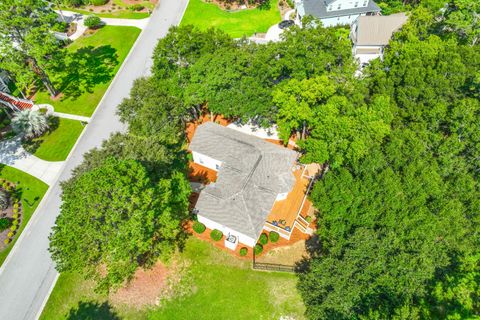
<point>55,145</point>
<point>237,24</point>
<point>94,61</point>
<point>31,192</point>
<point>214,283</point>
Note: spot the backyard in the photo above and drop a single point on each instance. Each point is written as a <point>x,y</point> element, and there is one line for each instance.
<point>55,144</point>
<point>214,282</point>
<point>31,192</point>
<point>237,24</point>
<point>93,61</point>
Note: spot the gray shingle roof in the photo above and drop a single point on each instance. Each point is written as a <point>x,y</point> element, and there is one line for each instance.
<point>318,9</point>
<point>252,174</point>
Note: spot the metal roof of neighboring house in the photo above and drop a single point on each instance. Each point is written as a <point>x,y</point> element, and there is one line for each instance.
<point>377,30</point>
<point>252,174</point>
<point>318,9</point>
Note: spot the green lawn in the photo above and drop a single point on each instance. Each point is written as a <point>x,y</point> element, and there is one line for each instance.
<point>237,24</point>
<point>56,144</point>
<point>222,287</point>
<point>121,14</point>
<point>31,193</point>
<point>93,62</point>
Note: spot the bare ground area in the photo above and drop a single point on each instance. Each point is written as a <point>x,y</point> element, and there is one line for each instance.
<point>144,289</point>
<point>288,255</point>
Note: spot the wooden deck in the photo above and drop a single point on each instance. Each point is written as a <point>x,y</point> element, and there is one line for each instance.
<point>284,212</point>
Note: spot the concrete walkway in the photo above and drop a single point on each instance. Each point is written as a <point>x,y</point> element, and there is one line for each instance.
<point>28,274</point>
<point>78,18</point>
<point>12,154</point>
<point>71,116</point>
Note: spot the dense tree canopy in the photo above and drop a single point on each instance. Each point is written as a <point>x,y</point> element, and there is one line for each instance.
<point>29,49</point>
<point>123,219</point>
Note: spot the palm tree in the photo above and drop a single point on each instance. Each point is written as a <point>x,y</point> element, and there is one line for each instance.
<point>29,124</point>
<point>3,200</point>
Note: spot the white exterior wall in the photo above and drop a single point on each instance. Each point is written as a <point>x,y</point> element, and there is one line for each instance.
<point>206,161</point>
<point>347,4</point>
<point>334,21</point>
<point>364,58</point>
<point>246,240</point>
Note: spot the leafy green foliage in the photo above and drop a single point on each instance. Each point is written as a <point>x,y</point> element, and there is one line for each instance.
<point>243,251</point>
<point>216,235</point>
<point>123,219</point>
<point>30,50</point>
<point>273,236</point>
<point>263,240</point>
<point>258,249</point>
<point>198,227</point>
<point>92,22</point>
<point>5,223</point>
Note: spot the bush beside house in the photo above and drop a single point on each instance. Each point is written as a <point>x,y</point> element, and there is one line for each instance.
<point>274,236</point>
<point>258,249</point>
<point>92,22</point>
<point>263,240</point>
<point>198,227</point>
<point>243,251</point>
<point>216,235</point>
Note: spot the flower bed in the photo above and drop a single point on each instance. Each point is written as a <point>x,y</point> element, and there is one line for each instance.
<point>12,214</point>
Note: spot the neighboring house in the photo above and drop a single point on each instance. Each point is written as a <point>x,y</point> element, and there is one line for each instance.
<point>14,103</point>
<point>4,81</point>
<point>253,178</point>
<point>336,12</point>
<point>370,35</point>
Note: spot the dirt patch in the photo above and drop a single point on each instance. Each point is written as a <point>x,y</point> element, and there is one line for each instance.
<point>144,289</point>
<point>287,255</point>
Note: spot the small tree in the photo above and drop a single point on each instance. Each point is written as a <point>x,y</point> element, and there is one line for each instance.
<point>29,123</point>
<point>274,236</point>
<point>92,22</point>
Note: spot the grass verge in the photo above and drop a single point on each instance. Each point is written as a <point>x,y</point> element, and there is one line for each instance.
<point>92,63</point>
<point>55,145</point>
<point>237,24</point>
<point>218,286</point>
<point>31,192</point>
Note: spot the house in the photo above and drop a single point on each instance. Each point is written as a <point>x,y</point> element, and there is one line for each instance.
<point>253,177</point>
<point>336,12</point>
<point>4,81</point>
<point>370,35</point>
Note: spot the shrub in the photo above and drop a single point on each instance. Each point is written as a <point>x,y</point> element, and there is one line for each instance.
<point>137,7</point>
<point>15,216</point>
<point>198,227</point>
<point>274,236</point>
<point>258,249</point>
<point>98,2</point>
<point>10,234</point>
<point>6,241</point>
<point>243,251</point>
<point>309,219</point>
<point>92,22</point>
<point>216,234</point>
<point>5,223</point>
<point>4,200</point>
<point>263,239</point>
<point>13,228</point>
<point>15,222</point>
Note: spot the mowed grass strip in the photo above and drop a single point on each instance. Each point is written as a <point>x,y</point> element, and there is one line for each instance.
<point>222,287</point>
<point>55,145</point>
<point>236,24</point>
<point>92,63</point>
<point>31,192</point>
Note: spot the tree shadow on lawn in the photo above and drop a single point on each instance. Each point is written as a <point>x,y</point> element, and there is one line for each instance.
<point>32,146</point>
<point>92,310</point>
<point>86,68</point>
<point>19,189</point>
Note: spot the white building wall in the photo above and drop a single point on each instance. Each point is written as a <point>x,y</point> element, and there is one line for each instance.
<point>334,21</point>
<point>246,240</point>
<point>206,161</point>
<point>347,4</point>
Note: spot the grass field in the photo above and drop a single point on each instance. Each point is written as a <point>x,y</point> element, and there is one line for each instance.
<point>121,14</point>
<point>31,193</point>
<point>222,287</point>
<point>92,63</point>
<point>56,144</point>
<point>237,24</point>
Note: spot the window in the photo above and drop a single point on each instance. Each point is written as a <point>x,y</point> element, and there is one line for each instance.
<point>356,4</point>
<point>201,160</point>
<point>329,8</point>
<point>217,166</point>
<point>339,6</point>
<point>365,3</point>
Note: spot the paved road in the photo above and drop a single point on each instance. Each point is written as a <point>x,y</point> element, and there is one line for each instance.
<point>28,274</point>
